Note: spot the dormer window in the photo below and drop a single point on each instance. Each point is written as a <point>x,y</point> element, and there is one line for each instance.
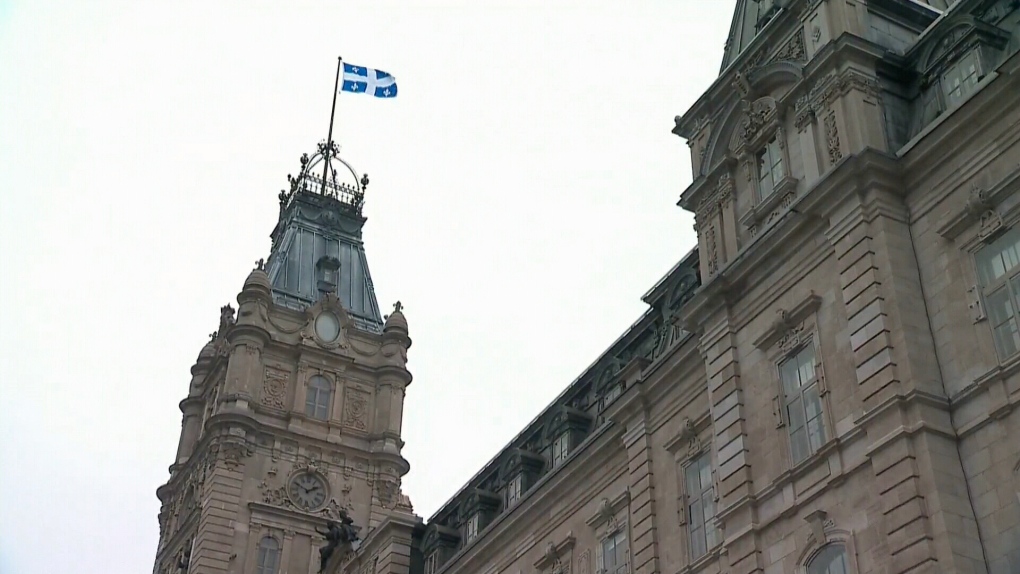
<point>471,528</point>
<point>432,562</point>
<point>560,449</point>
<point>770,168</point>
<point>767,10</point>
<point>327,271</point>
<point>959,80</point>
<point>514,489</point>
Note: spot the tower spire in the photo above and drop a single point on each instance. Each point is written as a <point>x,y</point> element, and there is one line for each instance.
<point>317,242</point>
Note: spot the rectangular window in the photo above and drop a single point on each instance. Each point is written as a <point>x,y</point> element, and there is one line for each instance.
<point>770,168</point>
<point>613,555</point>
<point>513,490</point>
<point>701,506</point>
<point>959,80</point>
<point>471,528</point>
<point>999,275</point>
<point>432,562</point>
<point>560,449</point>
<point>802,402</point>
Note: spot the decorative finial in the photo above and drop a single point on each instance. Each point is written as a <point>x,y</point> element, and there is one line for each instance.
<point>398,307</point>
<point>304,159</point>
<point>260,264</point>
<point>213,335</point>
<point>364,181</point>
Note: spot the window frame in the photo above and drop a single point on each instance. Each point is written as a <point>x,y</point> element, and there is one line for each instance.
<point>560,448</point>
<point>705,495</point>
<point>514,489</point>
<point>260,566</point>
<point>810,567</point>
<point>619,538</point>
<point>312,401</point>
<point>801,390</point>
<point>1006,281</point>
<point>471,527</point>
<point>773,152</point>
<point>432,562</point>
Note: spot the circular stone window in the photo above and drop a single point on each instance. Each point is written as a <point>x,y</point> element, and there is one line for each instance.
<point>327,327</point>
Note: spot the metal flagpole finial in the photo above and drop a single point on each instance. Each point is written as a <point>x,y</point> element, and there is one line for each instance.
<point>332,114</point>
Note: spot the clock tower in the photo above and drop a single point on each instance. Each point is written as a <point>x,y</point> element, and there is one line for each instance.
<point>292,418</point>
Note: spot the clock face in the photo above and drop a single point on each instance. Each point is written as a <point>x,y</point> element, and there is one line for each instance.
<point>327,327</point>
<point>308,490</point>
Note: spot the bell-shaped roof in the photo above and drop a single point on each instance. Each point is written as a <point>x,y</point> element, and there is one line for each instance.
<point>317,245</point>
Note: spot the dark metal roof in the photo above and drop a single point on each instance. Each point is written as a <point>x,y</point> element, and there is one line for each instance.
<point>317,245</point>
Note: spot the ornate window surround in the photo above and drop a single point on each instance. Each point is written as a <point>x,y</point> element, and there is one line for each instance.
<point>762,122</point>
<point>558,557</point>
<point>330,396</point>
<point>691,442</point>
<point>607,522</point>
<point>788,334</point>
<point>987,213</point>
<point>824,533</point>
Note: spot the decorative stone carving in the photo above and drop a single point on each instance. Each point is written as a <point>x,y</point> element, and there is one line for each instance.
<point>387,489</point>
<point>584,562</point>
<point>792,339</point>
<point>792,51</point>
<point>832,138</point>
<point>756,117</point>
<point>804,113</point>
<point>356,410</point>
<point>233,453</point>
<point>713,250</point>
<point>991,223</point>
<point>978,201</point>
<point>274,387</point>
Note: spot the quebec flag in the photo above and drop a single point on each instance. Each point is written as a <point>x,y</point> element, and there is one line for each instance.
<point>361,80</point>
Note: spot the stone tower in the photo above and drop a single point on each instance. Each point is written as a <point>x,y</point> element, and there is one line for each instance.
<point>293,414</point>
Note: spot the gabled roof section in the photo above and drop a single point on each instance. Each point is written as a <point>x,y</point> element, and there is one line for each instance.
<point>749,18</point>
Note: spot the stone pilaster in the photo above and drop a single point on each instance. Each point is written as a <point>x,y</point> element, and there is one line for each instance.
<point>220,503</point>
<point>644,544</point>
<point>905,409</point>
<point>731,445</point>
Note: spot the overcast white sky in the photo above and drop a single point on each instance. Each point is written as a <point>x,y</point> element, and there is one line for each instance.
<point>522,200</point>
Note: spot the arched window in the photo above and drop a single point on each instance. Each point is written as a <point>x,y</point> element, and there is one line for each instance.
<point>830,560</point>
<point>269,556</point>
<point>320,395</point>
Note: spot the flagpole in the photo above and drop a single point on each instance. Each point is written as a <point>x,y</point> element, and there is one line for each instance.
<point>332,114</point>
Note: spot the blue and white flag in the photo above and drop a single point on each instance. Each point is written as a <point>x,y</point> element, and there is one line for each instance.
<point>362,80</point>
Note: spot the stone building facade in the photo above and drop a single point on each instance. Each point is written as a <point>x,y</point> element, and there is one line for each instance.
<point>293,414</point>
<point>827,384</point>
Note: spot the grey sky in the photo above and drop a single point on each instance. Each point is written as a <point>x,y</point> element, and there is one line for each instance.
<point>521,201</point>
